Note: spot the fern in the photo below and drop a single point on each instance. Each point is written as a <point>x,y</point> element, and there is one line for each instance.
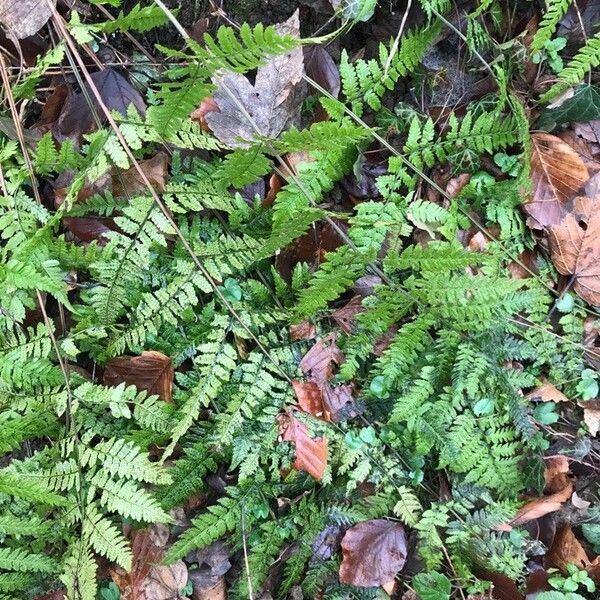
<point>555,9</point>
<point>586,59</point>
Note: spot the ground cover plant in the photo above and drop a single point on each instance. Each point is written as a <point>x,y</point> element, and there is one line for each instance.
<point>299,300</point>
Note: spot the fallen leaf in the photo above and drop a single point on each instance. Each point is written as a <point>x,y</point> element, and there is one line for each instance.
<point>557,173</point>
<point>456,184</point>
<point>317,364</point>
<point>547,392</point>
<point>311,454</point>
<point>345,316</point>
<point>216,592</point>
<point>339,402</point>
<point>77,116</point>
<point>559,488</point>
<point>303,331</point>
<point>273,102</point>
<point>591,417</point>
<point>206,106</point>
<point>130,183</point>
<point>25,17</point>
<point>525,266</point>
<point>321,68</point>
<point>566,549</point>
<point>89,229</point>
<point>310,399</point>
<point>208,578</point>
<point>374,552</point>
<point>53,105</point>
<point>165,582</point>
<point>152,371</point>
<point>575,248</point>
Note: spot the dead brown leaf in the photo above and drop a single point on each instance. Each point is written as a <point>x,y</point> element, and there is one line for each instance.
<point>318,363</point>
<point>547,392</point>
<point>273,102</point>
<point>129,182</point>
<point>77,116</point>
<point>566,549</point>
<point>557,172</point>
<point>310,399</point>
<point>559,488</point>
<point>25,17</point>
<point>207,105</point>
<point>575,248</point>
<point>374,552</point>
<point>164,582</point>
<point>345,316</point>
<point>303,331</point>
<point>591,417</point>
<point>152,371</point>
<point>311,454</point>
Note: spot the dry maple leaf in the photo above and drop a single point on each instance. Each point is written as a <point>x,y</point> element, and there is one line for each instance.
<point>557,173</point>
<point>374,551</point>
<point>152,371</point>
<point>575,248</point>
<point>23,18</point>
<point>273,103</point>
<point>311,454</point>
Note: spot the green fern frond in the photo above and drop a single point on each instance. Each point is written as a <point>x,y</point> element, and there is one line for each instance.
<point>555,9</point>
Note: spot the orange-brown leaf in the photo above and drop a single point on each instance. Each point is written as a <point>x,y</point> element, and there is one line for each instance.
<point>311,454</point>
<point>557,173</point>
<point>566,549</point>
<point>319,361</point>
<point>575,248</point>
<point>345,316</point>
<point>547,392</point>
<point>310,399</point>
<point>374,551</point>
<point>130,183</point>
<point>152,371</point>
<point>303,331</point>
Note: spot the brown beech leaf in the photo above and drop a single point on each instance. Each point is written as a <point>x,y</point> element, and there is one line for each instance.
<point>319,361</point>
<point>557,173</point>
<point>129,182</point>
<point>311,454</point>
<point>310,399</point>
<point>575,248</point>
<point>152,371</point>
<point>547,392</point>
<point>559,488</point>
<point>23,18</point>
<point>374,551</point>
<point>77,116</point>
<point>303,331</point>
<point>345,316</point>
<point>273,102</point>
<point>566,549</point>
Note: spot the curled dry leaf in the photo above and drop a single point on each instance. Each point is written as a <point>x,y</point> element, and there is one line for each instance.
<point>547,392</point>
<point>575,248</point>
<point>152,371</point>
<point>374,552</point>
<point>273,102</point>
<point>558,490</point>
<point>311,454</point>
<point>25,17</point>
<point>566,549</point>
<point>557,173</point>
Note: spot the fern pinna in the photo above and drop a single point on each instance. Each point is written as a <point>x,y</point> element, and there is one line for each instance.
<point>429,351</point>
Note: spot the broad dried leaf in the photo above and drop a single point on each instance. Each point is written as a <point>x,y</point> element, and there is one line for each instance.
<point>311,454</point>
<point>345,316</point>
<point>374,551</point>
<point>89,229</point>
<point>575,248</point>
<point>566,549</point>
<point>547,392</point>
<point>557,173</point>
<point>310,399</point>
<point>339,402</point>
<point>303,331</point>
<point>319,361</point>
<point>591,417</point>
<point>165,582</point>
<point>152,371</point>
<point>558,487</point>
<point>22,18</point>
<point>129,182</point>
<point>273,102</point>
<point>77,117</point>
